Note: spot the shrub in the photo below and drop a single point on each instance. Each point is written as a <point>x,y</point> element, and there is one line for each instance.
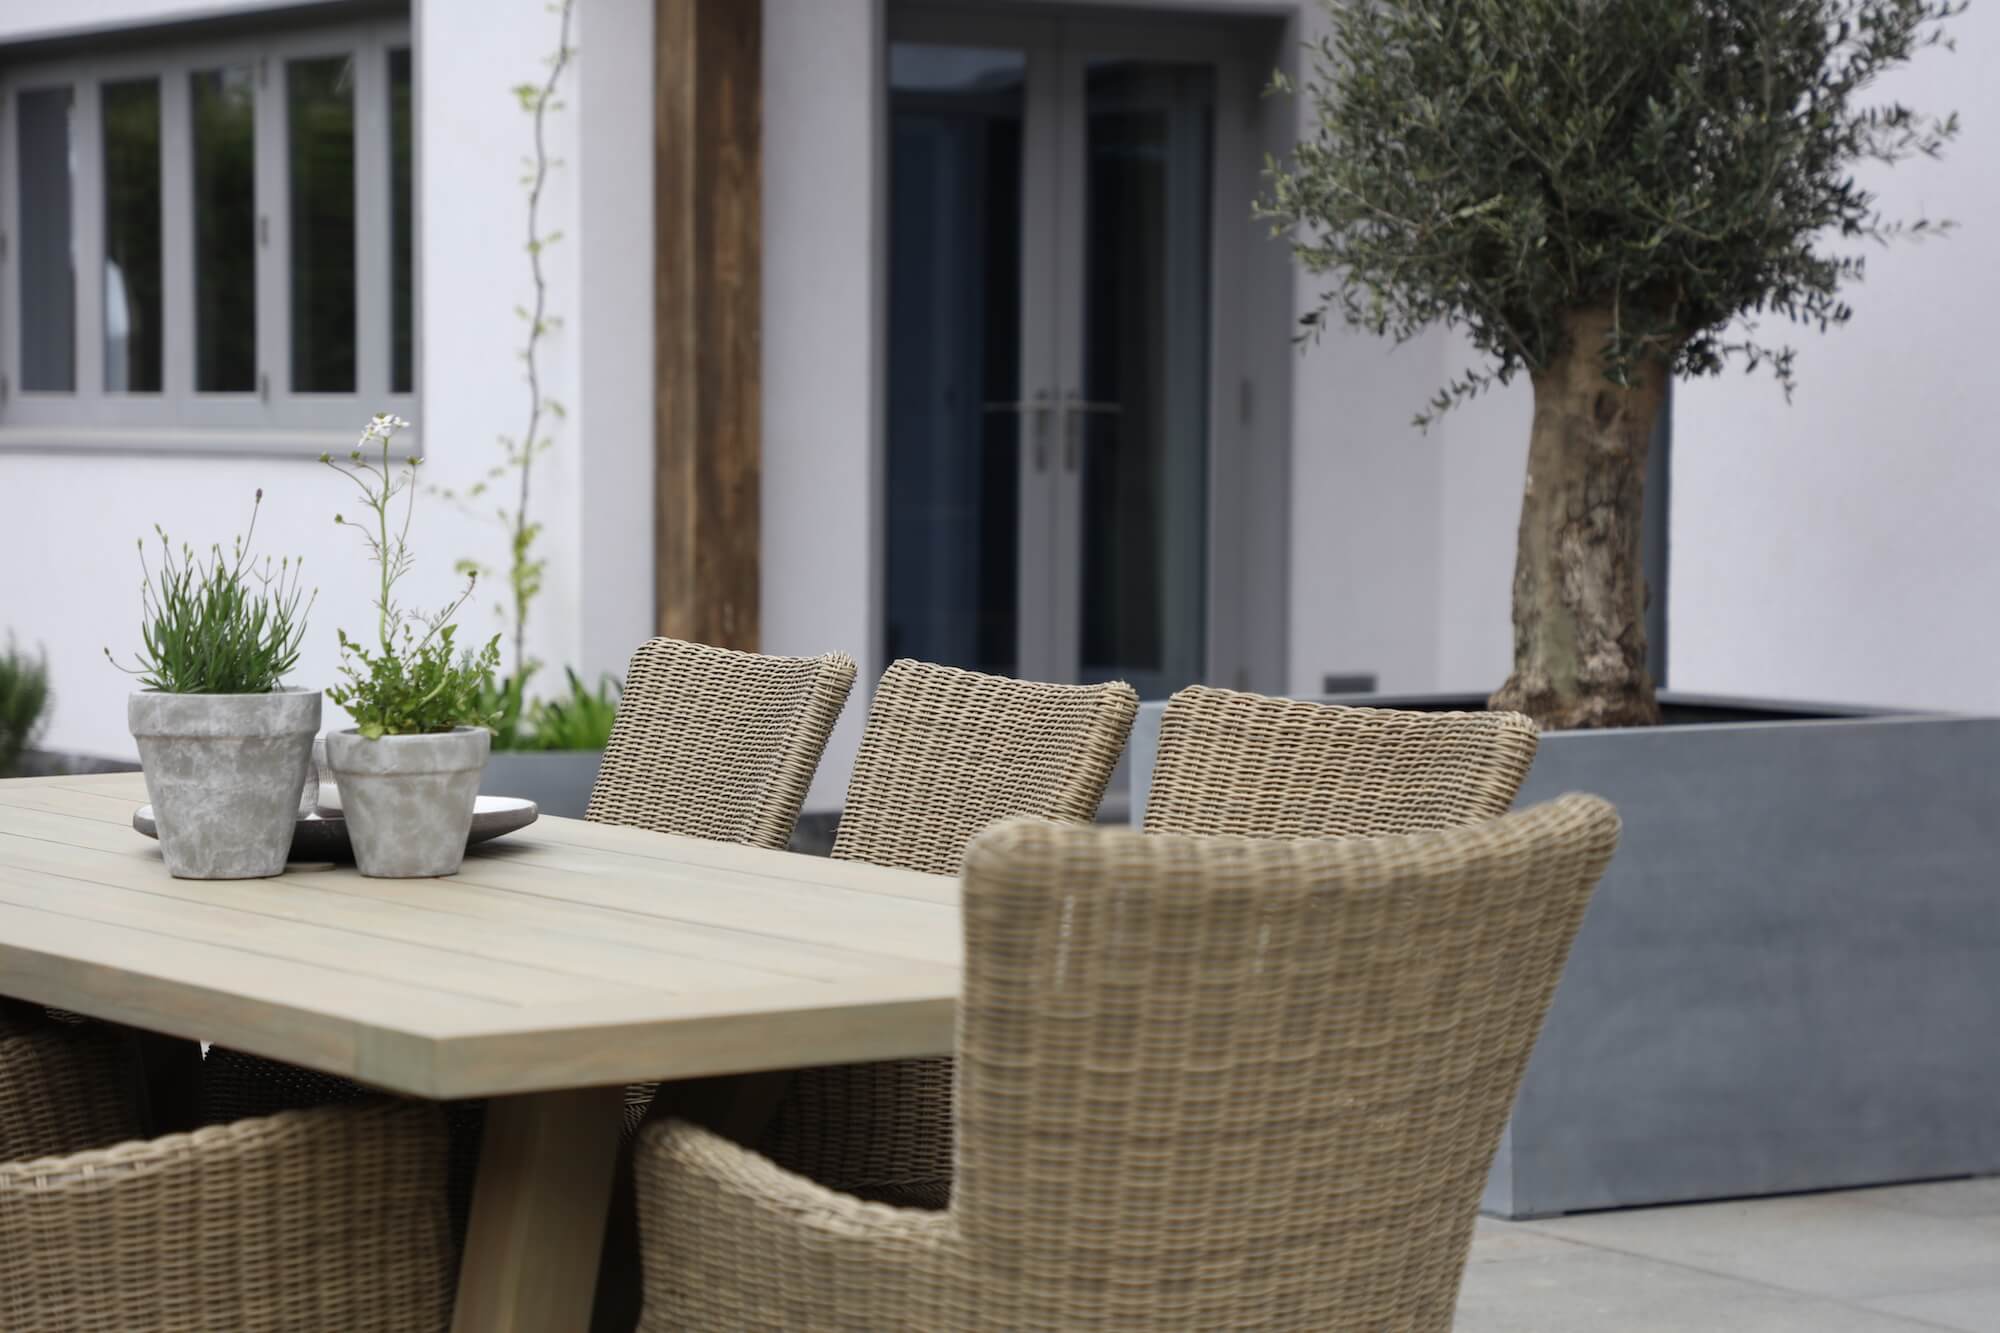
<point>24,703</point>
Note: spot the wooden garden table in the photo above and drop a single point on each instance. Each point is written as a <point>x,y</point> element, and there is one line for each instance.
<point>561,963</point>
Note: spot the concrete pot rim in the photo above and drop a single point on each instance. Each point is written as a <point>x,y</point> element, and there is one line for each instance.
<point>273,692</point>
<point>285,711</point>
<point>454,751</point>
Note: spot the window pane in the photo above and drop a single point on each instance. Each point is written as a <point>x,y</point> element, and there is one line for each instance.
<point>320,106</point>
<point>402,295</point>
<point>225,231</point>
<point>132,236</point>
<point>48,282</point>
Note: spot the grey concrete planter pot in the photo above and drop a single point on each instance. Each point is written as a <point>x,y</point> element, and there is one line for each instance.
<point>557,781</point>
<point>224,773</point>
<point>408,799</point>
<point>1789,978</point>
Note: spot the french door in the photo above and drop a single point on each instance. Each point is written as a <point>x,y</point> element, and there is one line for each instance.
<point>1052,203</point>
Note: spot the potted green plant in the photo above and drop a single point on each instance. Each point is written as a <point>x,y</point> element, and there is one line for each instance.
<point>223,742</point>
<point>1600,197</point>
<point>408,769</point>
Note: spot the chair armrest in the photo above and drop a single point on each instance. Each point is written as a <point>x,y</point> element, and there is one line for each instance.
<point>730,1240</point>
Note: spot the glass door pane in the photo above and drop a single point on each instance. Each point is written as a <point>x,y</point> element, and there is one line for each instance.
<point>955,430</point>
<point>1140,418</point>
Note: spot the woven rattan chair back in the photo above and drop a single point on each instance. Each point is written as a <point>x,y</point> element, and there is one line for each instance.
<point>63,1087</point>
<point>718,744</point>
<point>1229,1083</point>
<point>331,1219</point>
<point>1247,764</point>
<point>1203,1083</point>
<point>948,752</point>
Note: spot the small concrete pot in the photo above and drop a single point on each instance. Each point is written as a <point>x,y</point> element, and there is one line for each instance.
<point>224,772</point>
<point>408,799</point>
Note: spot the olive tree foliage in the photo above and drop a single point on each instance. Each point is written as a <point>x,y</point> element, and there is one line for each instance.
<point>1689,165</point>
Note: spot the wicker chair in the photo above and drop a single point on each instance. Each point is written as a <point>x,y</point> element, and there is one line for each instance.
<point>717,744</point>
<point>330,1219</point>
<point>1203,1083</point>
<point>63,1087</point>
<point>946,753</point>
<point>1247,764</point>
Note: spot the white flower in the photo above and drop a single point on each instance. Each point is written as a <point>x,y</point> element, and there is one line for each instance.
<point>382,426</point>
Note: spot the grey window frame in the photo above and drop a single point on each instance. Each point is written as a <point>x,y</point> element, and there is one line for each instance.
<point>273,419</point>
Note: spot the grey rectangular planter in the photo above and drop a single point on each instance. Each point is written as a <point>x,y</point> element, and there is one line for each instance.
<point>1790,977</point>
<point>557,781</point>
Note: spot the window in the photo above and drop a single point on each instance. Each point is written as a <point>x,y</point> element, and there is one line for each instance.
<point>209,245</point>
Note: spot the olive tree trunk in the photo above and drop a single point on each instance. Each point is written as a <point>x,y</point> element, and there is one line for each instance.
<point>1579,577</point>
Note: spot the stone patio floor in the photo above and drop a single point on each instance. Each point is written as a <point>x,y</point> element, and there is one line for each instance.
<point>1889,1260</point>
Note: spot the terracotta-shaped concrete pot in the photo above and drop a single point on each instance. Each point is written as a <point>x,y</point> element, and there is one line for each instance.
<point>408,799</point>
<point>223,772</point>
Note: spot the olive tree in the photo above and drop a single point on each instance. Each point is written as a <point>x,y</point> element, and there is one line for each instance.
<point>1601,195</point>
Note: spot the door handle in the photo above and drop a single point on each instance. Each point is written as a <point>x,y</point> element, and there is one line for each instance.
<point>1075,408</point>
<point>1040,407</point>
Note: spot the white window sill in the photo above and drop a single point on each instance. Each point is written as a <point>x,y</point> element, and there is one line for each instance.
<point>182,441</point>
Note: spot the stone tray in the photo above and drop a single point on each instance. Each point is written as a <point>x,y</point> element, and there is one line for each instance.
<point>322,835</point>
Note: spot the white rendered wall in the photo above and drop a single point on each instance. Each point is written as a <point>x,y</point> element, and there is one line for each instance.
<point>823,286</point>
<point>1483,452</point>
<point>68,571</point>
<point>1844,547</point>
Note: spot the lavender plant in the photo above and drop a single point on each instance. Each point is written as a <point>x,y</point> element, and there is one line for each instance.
<point>415,680</point>
<point>224,625</point>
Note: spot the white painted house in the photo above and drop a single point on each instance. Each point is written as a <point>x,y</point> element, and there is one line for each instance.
<point>995,369</point>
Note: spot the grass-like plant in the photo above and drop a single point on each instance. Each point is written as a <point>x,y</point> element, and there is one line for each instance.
<point>415,681</point>
<point>221,625</point>
<point>24,702</point>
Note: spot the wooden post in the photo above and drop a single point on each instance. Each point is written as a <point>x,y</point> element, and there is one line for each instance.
<point>708,100</point>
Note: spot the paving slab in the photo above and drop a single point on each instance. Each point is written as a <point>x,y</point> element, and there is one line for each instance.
<point>1972,1309</point>
<point>1585,1290</point>
<point>1827,1245</point>
<point>1944,1198</point>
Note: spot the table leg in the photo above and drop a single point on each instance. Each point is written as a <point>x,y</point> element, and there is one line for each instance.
<point>538,1210</point>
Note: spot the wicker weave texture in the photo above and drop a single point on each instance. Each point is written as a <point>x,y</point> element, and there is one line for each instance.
<point>1247,764</point>
<point>1203,1083</point>
<point>946,753</point>
<point>331,1219</point>
<point>64,1088</point>
<point>718,744</point>
<point>236,1085</point>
